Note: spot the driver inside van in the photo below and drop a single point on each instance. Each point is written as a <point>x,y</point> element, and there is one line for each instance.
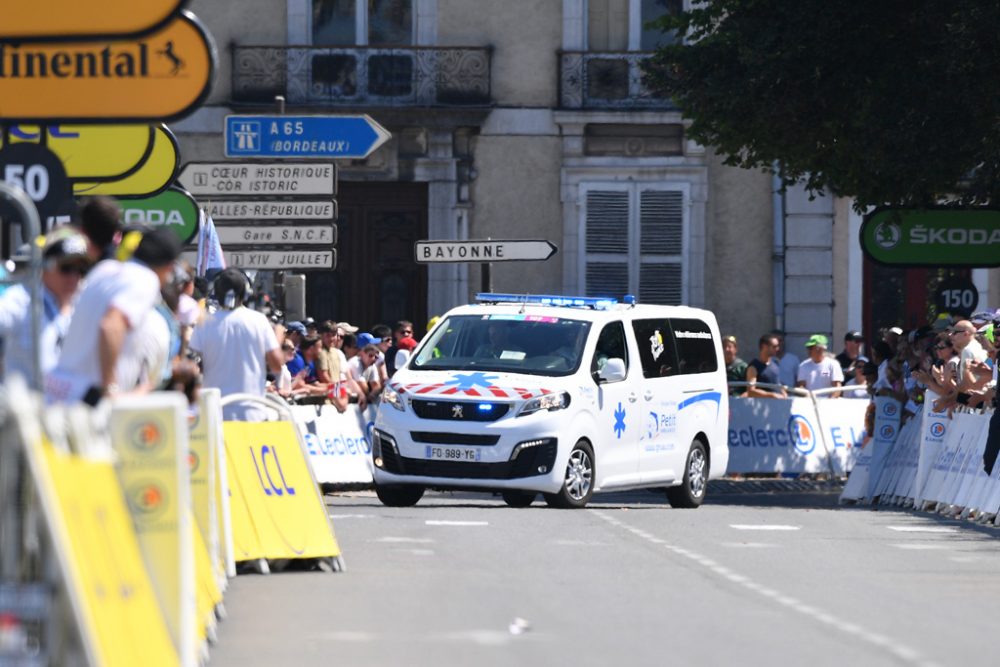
<point>499,341</point>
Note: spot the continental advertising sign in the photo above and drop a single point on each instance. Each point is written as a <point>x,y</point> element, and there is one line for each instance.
<point>93,19</point>
<point>161,76</point>
<point>959,237</point>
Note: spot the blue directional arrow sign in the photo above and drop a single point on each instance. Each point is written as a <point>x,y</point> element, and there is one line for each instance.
<point>303,136</point>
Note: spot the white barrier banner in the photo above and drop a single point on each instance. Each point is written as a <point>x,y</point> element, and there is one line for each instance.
<point>887,415</point>
<point>934,428</point>
<point>768,435</point>
<point>338,444</point>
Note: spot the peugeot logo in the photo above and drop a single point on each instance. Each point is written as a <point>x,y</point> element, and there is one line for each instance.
<point>456,412</point>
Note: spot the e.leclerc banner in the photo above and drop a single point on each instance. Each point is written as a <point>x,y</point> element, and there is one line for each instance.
<point>946,236</point>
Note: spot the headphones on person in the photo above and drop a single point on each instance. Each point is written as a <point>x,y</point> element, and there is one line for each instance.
<point>232,296</point>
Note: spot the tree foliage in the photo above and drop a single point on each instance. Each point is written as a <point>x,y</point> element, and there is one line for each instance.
<point>886,101</point>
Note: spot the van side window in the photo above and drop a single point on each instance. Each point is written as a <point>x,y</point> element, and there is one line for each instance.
<point>697,349</point>
<point>610,345</point>
<point>656,348</point>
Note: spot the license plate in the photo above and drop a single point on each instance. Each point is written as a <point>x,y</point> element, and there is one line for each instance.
<point>437,453</point>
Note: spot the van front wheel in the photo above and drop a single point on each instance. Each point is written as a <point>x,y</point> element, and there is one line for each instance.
<point>691,492</point>
<point>394,495</point>
<point>578,483</point>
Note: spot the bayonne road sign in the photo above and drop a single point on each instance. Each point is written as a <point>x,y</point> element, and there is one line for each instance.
<point>159,77</point>
<point>483,251</point>
<point>303,136</point>
<point>235,179</point>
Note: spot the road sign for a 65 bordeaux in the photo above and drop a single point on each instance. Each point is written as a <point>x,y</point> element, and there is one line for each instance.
<point>159,77</point>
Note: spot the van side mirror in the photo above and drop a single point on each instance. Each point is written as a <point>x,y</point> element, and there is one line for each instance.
<point>613,371</point>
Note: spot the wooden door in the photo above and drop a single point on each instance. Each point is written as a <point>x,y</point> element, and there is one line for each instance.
<point>377,280</point>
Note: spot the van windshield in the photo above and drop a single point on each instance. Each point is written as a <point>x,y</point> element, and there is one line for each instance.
<point>530,344</point>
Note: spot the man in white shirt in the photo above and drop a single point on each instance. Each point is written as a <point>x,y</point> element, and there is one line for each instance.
<point>819,371</point>
<point>237,346</point>
<point>363,370</point>
<point>100,356</point>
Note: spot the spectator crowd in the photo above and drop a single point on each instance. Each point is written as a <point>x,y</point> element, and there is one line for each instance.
<point>952,362</point>
<point>123,314</point>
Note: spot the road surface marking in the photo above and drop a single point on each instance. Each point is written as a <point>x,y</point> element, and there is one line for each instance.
<point>897,649</point>
<point>418,540</point>
<point>430,522</point>
<point>351,516</point>
<point>762,526</point>
<point>922,547</point>
<point>923,529</point>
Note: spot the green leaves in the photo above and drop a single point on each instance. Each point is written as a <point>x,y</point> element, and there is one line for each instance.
<point>891,102</point>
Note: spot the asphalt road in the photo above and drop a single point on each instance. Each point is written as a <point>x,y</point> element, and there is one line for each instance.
<point>750,578</point>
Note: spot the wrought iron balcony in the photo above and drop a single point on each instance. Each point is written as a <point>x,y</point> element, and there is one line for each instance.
<point>416,76</point>
<point>606,80</point>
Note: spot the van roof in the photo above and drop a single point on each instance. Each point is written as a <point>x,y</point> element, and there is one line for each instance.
<point>582,312</point>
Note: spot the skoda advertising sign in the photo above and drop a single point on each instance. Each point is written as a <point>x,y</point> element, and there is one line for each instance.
<point>174,209</point>
<point>946,236</point>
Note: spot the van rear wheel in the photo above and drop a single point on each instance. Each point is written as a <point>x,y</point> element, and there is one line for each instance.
<point>396,495</point>
<point>691,492</point>
<point>578,483</point>
<point>519,498</point>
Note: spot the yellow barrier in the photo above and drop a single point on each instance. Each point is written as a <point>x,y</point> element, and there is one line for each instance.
<point>276,507</point>
<point>105,577</point>
<point>150,437</point>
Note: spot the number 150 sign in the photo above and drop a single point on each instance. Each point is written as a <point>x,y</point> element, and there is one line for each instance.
<point>38,172</point>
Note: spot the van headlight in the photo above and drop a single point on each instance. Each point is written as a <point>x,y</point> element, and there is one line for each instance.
<point>548,402</point>
<point>391,397</point>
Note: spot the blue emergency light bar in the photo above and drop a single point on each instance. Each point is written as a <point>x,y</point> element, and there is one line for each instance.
<point>597,303</point>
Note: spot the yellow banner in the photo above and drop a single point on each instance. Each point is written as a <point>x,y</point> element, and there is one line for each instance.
<point>121,619</point>
<point>277,509</point>
<point>207,590</point>
<point>150,436</point>
<point>92,152</point>
<point>155,174</point>
<point>160,77</point>
<point>61,18</point>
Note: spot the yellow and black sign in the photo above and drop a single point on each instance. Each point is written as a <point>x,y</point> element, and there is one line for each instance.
<point>93,19</point>
<point>161,76</point>
<point>152,177</point>
<point>92,152</point>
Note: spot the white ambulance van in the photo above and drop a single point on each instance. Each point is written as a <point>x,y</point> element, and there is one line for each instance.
<point>561,396</point>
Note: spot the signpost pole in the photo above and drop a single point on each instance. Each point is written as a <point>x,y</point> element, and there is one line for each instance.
<point>487,282</point>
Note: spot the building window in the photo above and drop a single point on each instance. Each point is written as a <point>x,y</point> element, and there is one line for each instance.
<point>634,237</point>
<point>362,23</point>
<point>620,25</point>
